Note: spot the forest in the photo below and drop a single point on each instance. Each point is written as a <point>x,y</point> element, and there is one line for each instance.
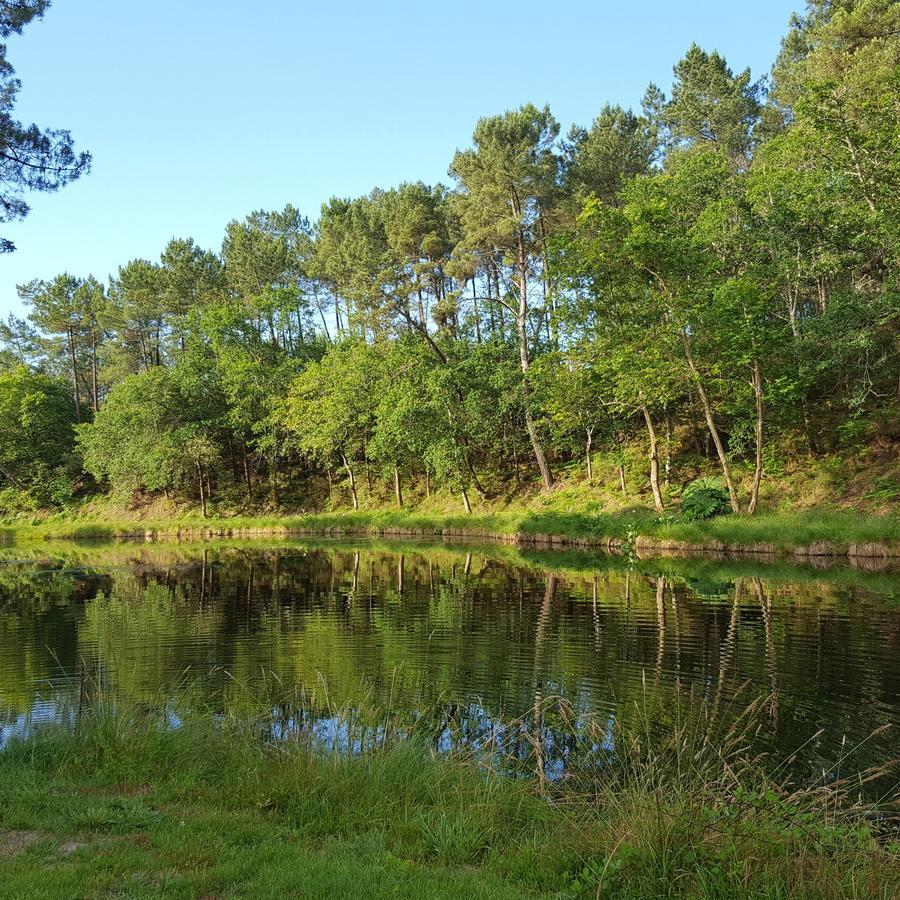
<point>715,275</point>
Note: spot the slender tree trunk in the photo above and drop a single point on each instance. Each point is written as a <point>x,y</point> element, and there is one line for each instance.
<point>654,461</point>
<point>587,454</point>
<point>202,491</point>
<point>795,331</point>
<point>488,303</point>
<point>321,313</point>
<point>757,472</point>
<point>521,324</point>
<point>668,464</point>
<point>338,324</point>
<point>422,319</point>
<point>74,364</point>
<point>622,480</point>
<point>352,478</point>
<point>398,493</point>
<point>465,499</point>
<point>247,478</point>
<point>549,294</point>
<point>475,310</point>
<point>711,423</point>
<point>94,395</point>
<point>234,466</point>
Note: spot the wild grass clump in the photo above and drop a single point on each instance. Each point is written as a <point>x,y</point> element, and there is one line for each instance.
<point>664,801</point>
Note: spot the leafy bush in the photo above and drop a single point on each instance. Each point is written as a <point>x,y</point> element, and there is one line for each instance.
<point>704,498</point>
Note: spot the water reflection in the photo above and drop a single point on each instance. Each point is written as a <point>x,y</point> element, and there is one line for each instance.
<point>497,651</point>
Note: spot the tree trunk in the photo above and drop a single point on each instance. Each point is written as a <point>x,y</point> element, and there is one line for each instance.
<point>247,479</point>
<point>521,324</point>
<point>488,296</point>
<point>757,472</point>
<point>711,423</point>
<point>654,461</point>
<point>475,311</point>
<point>95,397</point>
<point>668,465</point>
<point>74,364</point>
<point>498,293</point>
<point>465,499</point>
<point>622,480</point>
<point>398,493</point>
<point>338,324</point>
<point>234,466</point>
<point>352,478</point>
<point>202,491</point>
<point>587,454</point>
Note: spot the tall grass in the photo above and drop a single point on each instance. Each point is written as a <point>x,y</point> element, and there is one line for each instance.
<point>665,801</point>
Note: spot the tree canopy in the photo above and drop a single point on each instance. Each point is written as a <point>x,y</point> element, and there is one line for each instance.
<point>706,284</point>
<point>31,158</point>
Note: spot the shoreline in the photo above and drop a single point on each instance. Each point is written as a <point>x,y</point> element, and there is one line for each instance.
<point>875,540</point>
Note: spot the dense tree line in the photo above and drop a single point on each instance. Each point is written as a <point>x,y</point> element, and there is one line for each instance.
<point>723,264</point>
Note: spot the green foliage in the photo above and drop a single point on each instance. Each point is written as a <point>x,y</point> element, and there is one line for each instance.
<point>33,159</point>
<point>148,435</point>
<point>709,104</point>
<point>36,439</point>
<point>723,265</point>
<point>331,405</point>
<point>704,498</point>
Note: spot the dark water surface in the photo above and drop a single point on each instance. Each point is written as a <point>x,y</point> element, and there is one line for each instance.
<point>412,625</point>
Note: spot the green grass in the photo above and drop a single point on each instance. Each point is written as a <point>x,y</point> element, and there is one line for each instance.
<point>128,806</point>
<point>826,531</point>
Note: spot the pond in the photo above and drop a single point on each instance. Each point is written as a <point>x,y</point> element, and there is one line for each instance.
<point>485,631</point>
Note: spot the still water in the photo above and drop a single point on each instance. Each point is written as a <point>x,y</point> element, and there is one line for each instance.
<point>484,629</point>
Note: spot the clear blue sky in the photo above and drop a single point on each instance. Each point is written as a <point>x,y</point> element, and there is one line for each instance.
<point>200,112</point>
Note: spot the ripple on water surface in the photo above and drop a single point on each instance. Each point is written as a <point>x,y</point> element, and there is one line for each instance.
<point>418,625</point>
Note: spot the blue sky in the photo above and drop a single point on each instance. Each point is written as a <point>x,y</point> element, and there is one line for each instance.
<point>200,112</point>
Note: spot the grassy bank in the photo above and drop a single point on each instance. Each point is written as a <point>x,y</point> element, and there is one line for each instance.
<point>128,805</point>
<point>821,532</point>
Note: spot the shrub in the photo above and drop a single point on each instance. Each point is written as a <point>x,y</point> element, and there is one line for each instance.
<point>704,498</point>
